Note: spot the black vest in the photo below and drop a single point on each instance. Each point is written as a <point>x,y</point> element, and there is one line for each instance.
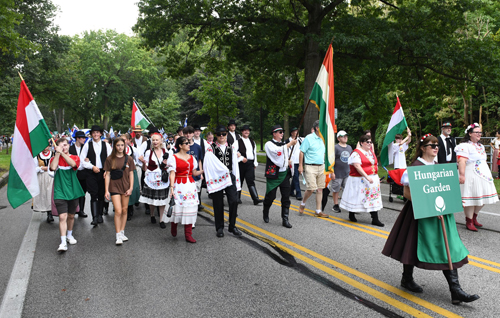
<point>91,153</point>
<point>230,139</point>
<point>80,174</point>
<point>441,156</point>
<point>242,149</point>
<point>225,157</point>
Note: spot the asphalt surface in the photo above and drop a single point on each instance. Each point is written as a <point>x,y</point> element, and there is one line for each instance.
<point>320,267</point>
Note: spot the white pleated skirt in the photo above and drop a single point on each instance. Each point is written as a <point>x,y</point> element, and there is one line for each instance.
<point>478,188</point>
<point>362,196</point>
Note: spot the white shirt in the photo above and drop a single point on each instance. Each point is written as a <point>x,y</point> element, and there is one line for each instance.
<point>138,141</point>
<point>399,155</point>
<point>251,151</point>
<point>296,150</point>
<point>97,150</point>
<point>448,156</point>
<point>278,155</point>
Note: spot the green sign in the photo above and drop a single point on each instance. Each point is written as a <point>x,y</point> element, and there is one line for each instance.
<point>435,190</point>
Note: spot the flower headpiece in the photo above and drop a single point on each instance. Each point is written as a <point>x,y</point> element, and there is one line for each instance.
<point>471,126</point>
<point>425,137</point>
<point>156,133</point>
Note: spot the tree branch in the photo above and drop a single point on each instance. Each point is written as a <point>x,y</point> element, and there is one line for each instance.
<point>389,4</point>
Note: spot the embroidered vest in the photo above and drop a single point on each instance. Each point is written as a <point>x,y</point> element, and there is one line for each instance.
<point>366,165</point>
<point>152,163</point>
<point>226,157</point>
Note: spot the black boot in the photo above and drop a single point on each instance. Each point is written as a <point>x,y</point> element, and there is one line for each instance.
<point>284,216</point>
<point>266,213</point>
<point>352,217</point>
<point>100,205</point>
<point>147,211</point>
<point>81,203</point>
<point>254,195</point>
<point>105,209</point>
<point>457,294</point>
<point>407,280</point>
<point>239,197</point>
<point>375,220</point>
<point>50,218</point>
<point>130,212</point>
<point>93,211</point>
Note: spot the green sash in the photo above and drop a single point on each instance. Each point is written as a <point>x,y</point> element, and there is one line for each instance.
<point>273,183</point>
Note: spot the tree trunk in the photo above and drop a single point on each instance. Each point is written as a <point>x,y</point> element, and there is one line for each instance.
<point>312,66</point>
<point>286,125</point>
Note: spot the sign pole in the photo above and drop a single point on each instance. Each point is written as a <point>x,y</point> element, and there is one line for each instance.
<point>450,264</point>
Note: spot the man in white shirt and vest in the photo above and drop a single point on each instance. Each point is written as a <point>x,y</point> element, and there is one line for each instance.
<point>232,136</point>
<point>295,192</point>
<point>81,174</point>
<point>247,162</point>
<point>447,143</point>
<point>92,158</point>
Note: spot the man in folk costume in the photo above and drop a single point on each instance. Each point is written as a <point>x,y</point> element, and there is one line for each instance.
<point>232,136</point>
<point>222,175</point>
<point>295,192</point>
<point>278,174</point>
<point>42,202</point>
<point>196,151</point>
<point>76,149</point>
<point>139,138</point>
<point>141,150</point>
<point>92,157</point>
<point>447,143</point>
<point>248,163</point>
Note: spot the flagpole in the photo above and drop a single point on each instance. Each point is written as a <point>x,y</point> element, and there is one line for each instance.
<point>22,80</point>
<point>140,108</point>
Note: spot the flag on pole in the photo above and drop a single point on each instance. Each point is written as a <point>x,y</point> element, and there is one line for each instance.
<point>396,126</point>
<point>31,136</point>
<point>138,119</point>
<point>186,121</point>
<point>111,133</point>
<point>322,96</point>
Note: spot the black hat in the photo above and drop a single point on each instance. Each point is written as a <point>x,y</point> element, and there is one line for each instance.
<point>245,127</point>
<point>276,128</point>
<point>197,127</point>
<point>231,122</point>
<point>446,124</point>
<point>96,128</point>
<point>153,130</point>
<point>80,134</point>
<point>294,129</point>
<point>180,129</point>
<point>220,129</point>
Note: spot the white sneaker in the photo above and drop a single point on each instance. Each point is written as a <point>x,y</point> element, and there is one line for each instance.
<point>124,238</point>
<point>62,247</point>
<point>71,240</point>
<point>119,241</point>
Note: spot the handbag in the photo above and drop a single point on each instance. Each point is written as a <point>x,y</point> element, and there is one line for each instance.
<point>116,174</point>
<point>164,172</point>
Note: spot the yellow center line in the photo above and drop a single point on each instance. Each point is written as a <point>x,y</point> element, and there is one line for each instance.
<point>387,299</point>
<point>351,225</point>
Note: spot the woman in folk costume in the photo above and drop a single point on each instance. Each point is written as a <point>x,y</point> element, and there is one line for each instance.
<point>420,242</point>
<point>476,181</point>
<point>362,189</point>
<point>182,167</point>
<point>155,191</point>
<point>42,202</point>
<point>131,151</point>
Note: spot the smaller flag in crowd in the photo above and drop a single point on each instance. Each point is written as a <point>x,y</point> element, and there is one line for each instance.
<point>138,118</point>
<point>396,126</point>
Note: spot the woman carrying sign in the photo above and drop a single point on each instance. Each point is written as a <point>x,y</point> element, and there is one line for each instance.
<point>420,242</point>
<point>119,184</point>
<point>476,182</point>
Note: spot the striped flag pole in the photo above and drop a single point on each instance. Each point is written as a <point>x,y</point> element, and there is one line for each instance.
<point>31,136</point>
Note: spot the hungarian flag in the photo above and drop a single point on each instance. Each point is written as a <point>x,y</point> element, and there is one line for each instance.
<point>322,96</point>
<point>31,136</point>
<point>138,118</point>
<point>396,126</point>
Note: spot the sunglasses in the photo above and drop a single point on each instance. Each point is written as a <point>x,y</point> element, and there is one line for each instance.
<point>433,146</point>
<point>477,132</point>
<point>369,142</point>
<point>221,134</point>
<point>185,143</point>
<point>279,131</point>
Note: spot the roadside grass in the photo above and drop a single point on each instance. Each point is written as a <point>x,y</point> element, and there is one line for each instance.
<point>4,160</point>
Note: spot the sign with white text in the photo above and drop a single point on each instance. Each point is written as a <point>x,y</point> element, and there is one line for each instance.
<point>435,190</point>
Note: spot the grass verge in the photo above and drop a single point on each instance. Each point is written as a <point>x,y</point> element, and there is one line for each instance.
<point>4,160</point>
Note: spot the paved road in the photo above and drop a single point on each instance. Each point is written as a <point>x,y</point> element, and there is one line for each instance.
<point>321,267</point>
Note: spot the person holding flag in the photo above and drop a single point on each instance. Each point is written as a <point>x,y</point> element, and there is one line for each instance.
<point>67,190</point>
<point>396,126</point>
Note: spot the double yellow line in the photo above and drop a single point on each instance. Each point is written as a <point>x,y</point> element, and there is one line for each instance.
<point>473,260</point>
<point>250,228</point>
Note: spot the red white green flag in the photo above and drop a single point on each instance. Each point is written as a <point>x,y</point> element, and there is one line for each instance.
<point>138,118</point>
<point>322,96</point>
<point>396,126</point>
<point>31,136</point>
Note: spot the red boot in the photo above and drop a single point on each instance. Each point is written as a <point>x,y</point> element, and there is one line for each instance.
<point>173,229</point>
<point>470,224</point>
<point>188,231</point>
<point>476,223</point>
